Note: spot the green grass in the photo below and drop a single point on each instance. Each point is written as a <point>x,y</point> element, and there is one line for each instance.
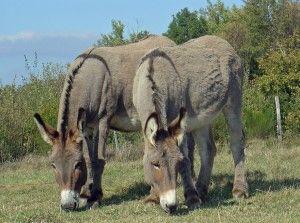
<point>28,192</point>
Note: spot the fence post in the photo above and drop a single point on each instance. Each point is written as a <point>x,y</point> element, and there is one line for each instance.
<point>278,118</point>
<point>116,140</point>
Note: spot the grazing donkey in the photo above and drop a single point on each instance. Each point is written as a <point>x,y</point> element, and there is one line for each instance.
<point>179,90</point>
<point>97,96</point>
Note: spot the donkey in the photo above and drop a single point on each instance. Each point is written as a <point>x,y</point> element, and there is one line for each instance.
<point>97,96</point>
<point>179,90</point>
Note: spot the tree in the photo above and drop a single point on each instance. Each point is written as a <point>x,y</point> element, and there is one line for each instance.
<point>269,23</point>
<point>116,37</point>
<point>186,25</point>
<point>217,15</point>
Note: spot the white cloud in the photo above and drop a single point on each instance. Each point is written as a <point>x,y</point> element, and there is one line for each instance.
<point>18,36</point>
<point>45,43</point>
<point>28,35</point>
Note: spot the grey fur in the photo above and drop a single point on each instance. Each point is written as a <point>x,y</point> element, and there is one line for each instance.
<point>204,76</point>
<point>100,84</point>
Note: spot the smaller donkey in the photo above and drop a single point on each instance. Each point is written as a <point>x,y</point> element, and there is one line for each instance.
<point>179,90</point>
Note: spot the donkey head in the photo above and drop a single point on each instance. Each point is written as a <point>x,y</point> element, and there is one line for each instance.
<point>162,159</point>
<point>66,159</point>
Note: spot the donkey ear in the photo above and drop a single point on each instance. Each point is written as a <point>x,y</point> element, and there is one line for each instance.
<point>48,133</point>
<point>151,128</point>
<point>175,126</point>
<point>81,119</point>
<point>75,135</point>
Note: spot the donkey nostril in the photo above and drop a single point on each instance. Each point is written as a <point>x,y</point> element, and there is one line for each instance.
<point>171,208</point>
<point>69,207</point>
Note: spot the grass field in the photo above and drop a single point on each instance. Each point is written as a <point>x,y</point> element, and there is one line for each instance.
<point>28,192</point>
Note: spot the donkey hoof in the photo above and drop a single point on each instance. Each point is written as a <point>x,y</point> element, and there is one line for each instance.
<point>203,197</point>
<point>93,205</point>
<point>193,202</point>
<point>240,193</point>
<point>203,194</point>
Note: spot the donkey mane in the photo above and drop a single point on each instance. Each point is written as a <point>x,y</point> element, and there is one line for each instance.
<point>157,95</point>
<point>157,53</point>
<point>69,87</point>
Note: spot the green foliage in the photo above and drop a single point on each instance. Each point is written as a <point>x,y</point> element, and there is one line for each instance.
<point>39,93</point>
<point>116,37</point>
<point>266,24</point>
<point>258,113</point>
<point>217,15</point>
<point>281,72</point>
<point>281,77</point>
<point>135,36</point>
<point>186,25</point>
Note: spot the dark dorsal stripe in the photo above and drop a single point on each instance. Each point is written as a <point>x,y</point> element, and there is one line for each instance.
<point>157,96</point>
<point>97,57</point>
<point>85,56</point>
<point>157,53</point>
<point>65,116</point>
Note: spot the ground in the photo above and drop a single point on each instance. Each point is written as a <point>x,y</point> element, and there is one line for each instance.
<point>28,192</point>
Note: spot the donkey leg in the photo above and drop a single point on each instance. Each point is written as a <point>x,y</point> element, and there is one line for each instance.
<point>97,163</point>
<point>204,140</point>
<point>237,146</point>
<point>88,147</point>
<point>191,150</point>
<point>190,193</point>
<point>153,198</point>
<point>100,156</point>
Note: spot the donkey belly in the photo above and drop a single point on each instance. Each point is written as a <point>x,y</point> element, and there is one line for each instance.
<point>125,123</point>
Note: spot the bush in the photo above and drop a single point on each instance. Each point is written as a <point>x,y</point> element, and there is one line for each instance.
<point>281,69</point>
<point>39,93</point>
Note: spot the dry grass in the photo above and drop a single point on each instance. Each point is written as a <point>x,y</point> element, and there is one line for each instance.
<point>28,192</point>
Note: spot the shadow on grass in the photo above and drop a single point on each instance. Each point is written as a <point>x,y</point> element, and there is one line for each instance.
<point>135,192</point>
<point>220,194</point>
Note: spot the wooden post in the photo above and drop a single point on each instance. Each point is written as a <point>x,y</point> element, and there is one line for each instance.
<point>116,140</point>
<point>278,118</point>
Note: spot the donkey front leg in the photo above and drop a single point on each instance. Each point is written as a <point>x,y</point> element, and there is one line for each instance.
<point>204,140</point>
<point>88,147</point>
<point>192,199</point>
<point>97,162</point>
<point>191,150</point>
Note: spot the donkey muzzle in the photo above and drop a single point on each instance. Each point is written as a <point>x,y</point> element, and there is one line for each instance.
<point>168,201</point>
<point>69,200</point>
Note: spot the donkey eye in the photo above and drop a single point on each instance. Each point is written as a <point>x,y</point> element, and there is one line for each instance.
<point>53,166</point>
<point>155,165</point>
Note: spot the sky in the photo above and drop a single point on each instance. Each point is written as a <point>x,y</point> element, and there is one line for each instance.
<point>59,30</point>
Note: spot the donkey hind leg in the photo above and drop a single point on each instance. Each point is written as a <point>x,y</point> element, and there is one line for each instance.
<point>206,145</point>
<point>192,199</point>
<point>237,146</point>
